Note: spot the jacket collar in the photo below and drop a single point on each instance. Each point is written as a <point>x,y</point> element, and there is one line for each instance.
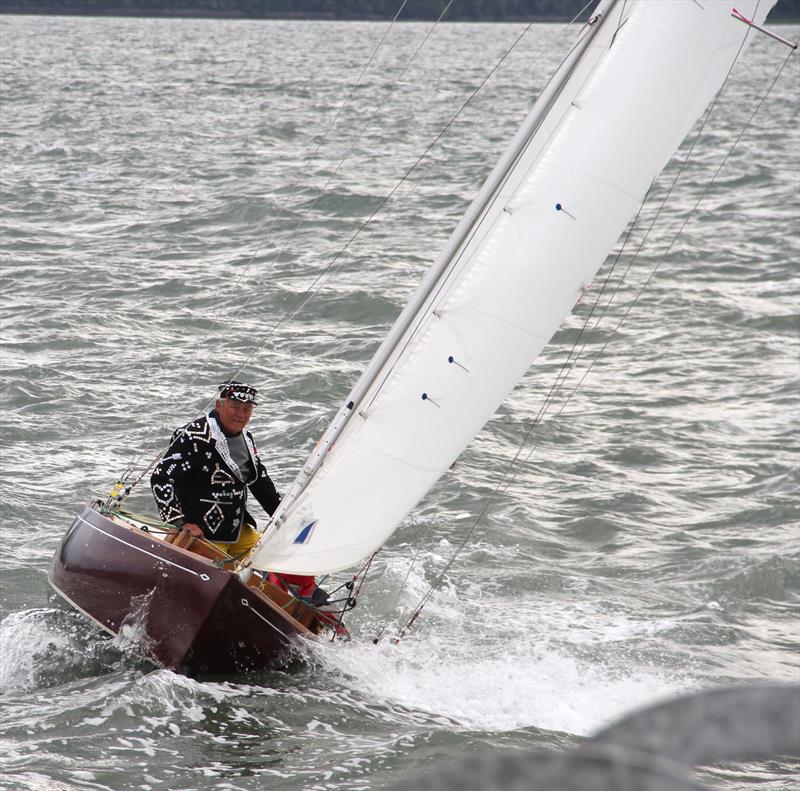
<point>213,413</point>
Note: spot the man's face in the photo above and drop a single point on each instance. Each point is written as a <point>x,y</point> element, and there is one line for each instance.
<point>233,415</point>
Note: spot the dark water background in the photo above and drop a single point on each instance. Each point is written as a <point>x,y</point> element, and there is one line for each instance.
<point>171,188</point>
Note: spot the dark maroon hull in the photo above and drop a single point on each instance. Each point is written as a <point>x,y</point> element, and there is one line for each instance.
<point>186,614</point>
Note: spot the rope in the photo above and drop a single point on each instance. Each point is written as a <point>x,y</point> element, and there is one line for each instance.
<point>137,455</point>
<point>509,472</point>
<point>365,571</point>
<point>350,601</point>
<point>413,563</point>
<point>680,230</point>
<point>675,237</point>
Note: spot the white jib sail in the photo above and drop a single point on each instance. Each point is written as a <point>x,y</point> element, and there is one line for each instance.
<point>536,235</point>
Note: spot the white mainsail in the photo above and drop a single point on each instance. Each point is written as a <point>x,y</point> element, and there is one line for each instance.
<point>631,89</point>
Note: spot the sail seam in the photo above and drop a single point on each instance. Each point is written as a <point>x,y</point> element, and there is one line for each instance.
<point>505,322</point>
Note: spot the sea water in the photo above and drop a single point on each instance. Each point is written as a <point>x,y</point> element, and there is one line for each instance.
<point>174,190</point>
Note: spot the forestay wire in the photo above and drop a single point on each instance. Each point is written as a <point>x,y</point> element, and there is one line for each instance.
<point>122,489</point>
<point>311,157</point>
<point>511,468</point>
<point>331,268</point>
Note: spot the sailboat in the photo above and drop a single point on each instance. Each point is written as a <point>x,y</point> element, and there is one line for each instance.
<point>625,96</point>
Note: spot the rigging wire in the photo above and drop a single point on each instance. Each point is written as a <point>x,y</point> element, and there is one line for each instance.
<point>577,347</point>
<point>509,472</point>
<point>669,247</point>
<point>329,270</point>
<point>567,368</point>
<point>659,210</point>
<point>122,489</point>
<point>418,544</point>
<point>137,455</point>
<point>549,45</point>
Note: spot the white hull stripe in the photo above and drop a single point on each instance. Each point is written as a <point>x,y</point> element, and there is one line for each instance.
<point>157,557</point>
<point>139,549</point>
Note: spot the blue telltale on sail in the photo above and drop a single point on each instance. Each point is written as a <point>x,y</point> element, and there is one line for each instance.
<point>305,533</point>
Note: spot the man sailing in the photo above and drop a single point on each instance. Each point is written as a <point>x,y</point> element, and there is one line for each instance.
<point>200,485</point>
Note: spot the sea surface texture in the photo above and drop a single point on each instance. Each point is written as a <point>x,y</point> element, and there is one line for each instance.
<point>174,190</point>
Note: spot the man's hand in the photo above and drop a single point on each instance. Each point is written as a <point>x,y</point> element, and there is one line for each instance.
<point>192,529</point>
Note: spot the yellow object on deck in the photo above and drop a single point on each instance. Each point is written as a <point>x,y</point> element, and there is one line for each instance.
<point>248,537</point>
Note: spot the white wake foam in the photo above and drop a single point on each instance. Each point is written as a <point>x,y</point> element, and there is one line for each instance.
<point>495,665</point>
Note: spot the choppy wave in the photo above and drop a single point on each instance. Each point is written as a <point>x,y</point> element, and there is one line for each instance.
<point>163,210</point>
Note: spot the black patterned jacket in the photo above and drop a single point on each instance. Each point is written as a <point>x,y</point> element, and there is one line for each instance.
<point>198,481</point>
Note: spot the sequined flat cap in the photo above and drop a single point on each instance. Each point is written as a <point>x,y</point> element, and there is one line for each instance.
<point>238,391</point>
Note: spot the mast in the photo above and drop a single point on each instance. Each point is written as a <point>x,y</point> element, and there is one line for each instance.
<point>420,304</point>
